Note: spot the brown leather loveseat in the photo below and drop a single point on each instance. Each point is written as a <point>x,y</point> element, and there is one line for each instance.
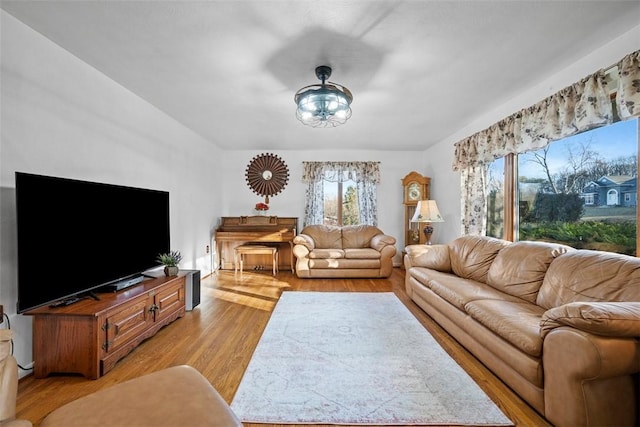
<point>348,251</point>
<point>560,326</point>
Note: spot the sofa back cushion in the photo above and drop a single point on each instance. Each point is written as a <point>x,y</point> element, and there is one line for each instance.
<point>519,268</point>
<point>324,236</point>
<point>358,236</point>
<point>585,275</point>
<point>471,256</point>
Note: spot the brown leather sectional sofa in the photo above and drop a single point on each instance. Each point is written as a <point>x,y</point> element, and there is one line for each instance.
<point>560,326</point>
<point>348,251</point>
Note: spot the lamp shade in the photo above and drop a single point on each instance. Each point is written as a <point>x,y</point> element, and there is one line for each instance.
<point>427,211</point>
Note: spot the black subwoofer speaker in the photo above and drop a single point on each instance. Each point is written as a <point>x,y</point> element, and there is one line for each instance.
<point>192,290</point>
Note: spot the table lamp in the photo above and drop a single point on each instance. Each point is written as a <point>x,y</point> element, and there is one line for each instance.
<point>427,212</point>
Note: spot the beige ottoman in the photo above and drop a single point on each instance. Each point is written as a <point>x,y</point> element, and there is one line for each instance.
<point>172,397</point>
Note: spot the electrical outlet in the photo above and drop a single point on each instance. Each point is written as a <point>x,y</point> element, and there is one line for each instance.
<point>207,249</point>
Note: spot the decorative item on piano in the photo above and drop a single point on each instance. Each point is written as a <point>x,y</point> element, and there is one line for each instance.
<point>261,208</point>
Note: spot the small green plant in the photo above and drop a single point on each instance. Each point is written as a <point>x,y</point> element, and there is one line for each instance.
<point>171,259</point>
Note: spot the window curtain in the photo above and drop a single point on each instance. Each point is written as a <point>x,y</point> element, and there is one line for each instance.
<point>473,184</point>
<point>628,97</point>
<point>366,175</point>
<point>582,106</point>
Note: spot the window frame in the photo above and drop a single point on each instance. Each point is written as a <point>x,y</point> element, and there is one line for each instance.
<point>510,196</point>
<point>340,201</point>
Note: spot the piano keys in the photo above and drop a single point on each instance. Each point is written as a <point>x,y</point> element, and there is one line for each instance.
<point>265,230</point>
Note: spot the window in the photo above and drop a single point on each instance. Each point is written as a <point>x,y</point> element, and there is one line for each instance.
<point>340,203</point>
<point>341,193</point>
<point>580,191</point>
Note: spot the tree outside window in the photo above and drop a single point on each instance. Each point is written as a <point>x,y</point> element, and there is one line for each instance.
<point>340,203</point>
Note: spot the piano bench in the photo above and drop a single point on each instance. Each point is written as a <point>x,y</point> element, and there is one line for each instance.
<point>242,250</point>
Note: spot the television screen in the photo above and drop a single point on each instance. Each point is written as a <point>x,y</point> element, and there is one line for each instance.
<point>76,236</point>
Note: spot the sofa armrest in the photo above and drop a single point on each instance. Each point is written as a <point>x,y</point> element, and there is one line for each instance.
<point>615,319</point>
<point>435,257</point>
<point>590,379</point>
<point>304,240</point>
<point>380,241</point>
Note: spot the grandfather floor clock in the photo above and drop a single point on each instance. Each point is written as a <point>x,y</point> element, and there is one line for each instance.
<point>415,188</point>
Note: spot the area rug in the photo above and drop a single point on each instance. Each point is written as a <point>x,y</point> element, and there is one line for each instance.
<point>356,358</point>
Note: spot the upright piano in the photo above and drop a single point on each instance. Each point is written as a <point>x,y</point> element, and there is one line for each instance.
<point>265,230</point>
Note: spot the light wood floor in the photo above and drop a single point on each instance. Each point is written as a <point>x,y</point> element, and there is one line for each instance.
<point>218,338</point>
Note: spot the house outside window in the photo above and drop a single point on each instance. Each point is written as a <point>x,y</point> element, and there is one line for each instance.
<point>580,191</point>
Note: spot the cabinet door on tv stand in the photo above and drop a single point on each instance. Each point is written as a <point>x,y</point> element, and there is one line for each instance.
<point>169,301</point>
<point>127,323</point>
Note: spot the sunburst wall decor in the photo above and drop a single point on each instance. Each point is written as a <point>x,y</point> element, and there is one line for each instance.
<point>267,175</point>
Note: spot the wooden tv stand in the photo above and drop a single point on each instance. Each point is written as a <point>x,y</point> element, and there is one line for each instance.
<point>90,337</point>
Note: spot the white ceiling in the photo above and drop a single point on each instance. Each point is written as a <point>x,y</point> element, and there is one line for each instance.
<point>419,70</point>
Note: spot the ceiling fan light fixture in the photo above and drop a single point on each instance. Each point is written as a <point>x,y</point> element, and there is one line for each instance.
<point>323,105</point>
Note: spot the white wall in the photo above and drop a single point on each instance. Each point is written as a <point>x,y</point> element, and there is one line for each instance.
<point>445,184</point>
<point>61,117</point>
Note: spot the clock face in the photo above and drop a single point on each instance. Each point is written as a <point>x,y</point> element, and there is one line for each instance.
<point>414,192</point>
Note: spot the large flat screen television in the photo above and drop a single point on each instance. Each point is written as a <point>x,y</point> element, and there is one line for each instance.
<point>76,236</point>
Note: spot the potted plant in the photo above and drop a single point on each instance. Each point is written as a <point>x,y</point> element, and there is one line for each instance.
<point>170,261</point>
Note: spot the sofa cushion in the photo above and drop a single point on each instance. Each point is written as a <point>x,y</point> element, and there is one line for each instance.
<point>361,253</point>
<point>326,254</point>
<point>358,236</point>
<point>459,292</point>
<point>585,275</point>
<point>519,268</point>
<point>324,236</point>
<point>471,256</point>
<point>425,275</point>
<point>616,319</point>
<point>354,264</point>
<point>516,322</point>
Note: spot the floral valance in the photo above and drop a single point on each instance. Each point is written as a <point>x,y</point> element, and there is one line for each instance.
<point>341,171</point>
<point>579,107</point>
